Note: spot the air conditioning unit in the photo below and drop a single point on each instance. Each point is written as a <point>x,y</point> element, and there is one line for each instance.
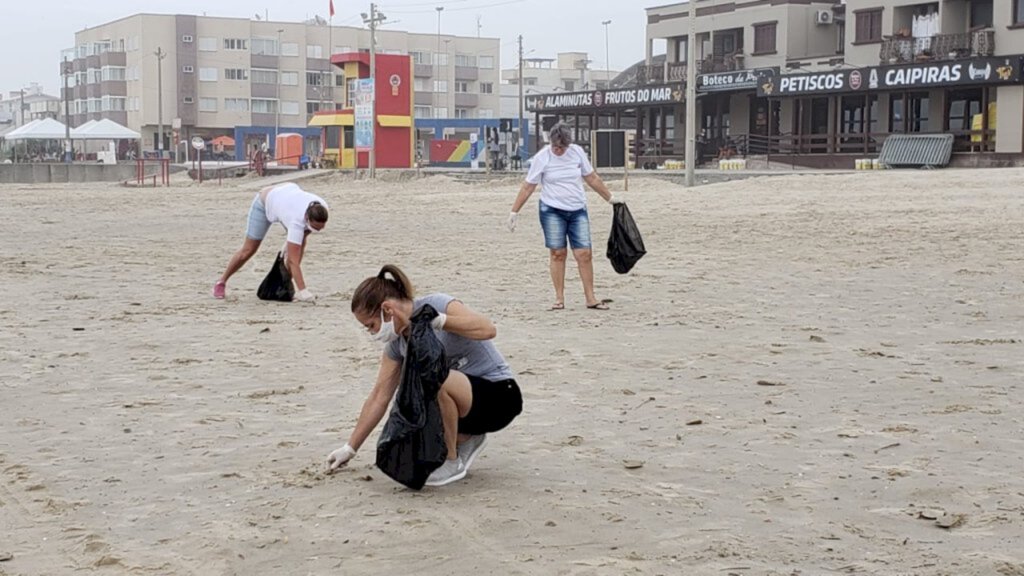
<point>823,17</point>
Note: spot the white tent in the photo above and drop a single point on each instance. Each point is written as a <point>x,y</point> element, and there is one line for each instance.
<point>103,130</point>
<point>45,129</point>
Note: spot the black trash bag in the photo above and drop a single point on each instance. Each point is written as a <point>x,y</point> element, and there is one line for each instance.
<point>625,246</point>
<point>412,445</point>
<point>278,283</point>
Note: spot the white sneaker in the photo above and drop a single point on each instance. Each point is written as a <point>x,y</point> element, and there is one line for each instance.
<point>470,449</point>
<point>450,471</point>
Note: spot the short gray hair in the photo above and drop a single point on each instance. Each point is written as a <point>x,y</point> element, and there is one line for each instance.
<point>560,135</point>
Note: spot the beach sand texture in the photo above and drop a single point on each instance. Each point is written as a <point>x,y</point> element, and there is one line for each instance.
<point>806,375</point>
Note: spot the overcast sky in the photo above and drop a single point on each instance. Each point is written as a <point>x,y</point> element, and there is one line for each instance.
<point>36,31</point>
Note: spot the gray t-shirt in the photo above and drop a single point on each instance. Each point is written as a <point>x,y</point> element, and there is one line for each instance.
<point>477,358</point>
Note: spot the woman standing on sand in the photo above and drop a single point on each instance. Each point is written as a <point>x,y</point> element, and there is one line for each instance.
<point>560,170</point>
<point>480,395</point>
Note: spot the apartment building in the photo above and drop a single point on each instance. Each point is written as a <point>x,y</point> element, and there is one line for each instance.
<point>31,103</point>
<point>568,71</point>
<point>835,79</point>
<point>216,76</point>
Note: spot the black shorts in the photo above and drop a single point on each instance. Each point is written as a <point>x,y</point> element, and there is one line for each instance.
<point>495,406</point>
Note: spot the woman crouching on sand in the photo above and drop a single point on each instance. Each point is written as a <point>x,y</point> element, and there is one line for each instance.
<point>480,397</point>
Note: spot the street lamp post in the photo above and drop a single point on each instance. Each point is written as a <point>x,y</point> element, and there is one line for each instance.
<point>607,57</point>
<point>277,108</point>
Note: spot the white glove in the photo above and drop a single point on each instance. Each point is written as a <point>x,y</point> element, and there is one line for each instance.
<point>340,457</point>
<point>613,200</point>
<point>513,219</point>
<point>304,295</point>
<point>438,323</point>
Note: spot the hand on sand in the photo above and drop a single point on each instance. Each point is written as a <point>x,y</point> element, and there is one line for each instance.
<point>340,457</point>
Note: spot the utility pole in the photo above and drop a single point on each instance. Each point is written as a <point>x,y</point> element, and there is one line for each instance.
<point>160,55</point>
<point>479,26</point>
<point>67,112</point>
<point>374,20</point>
<point>691,97</point>
<point>22,107</point>
<point>437,61</point>
<point>522,134</point>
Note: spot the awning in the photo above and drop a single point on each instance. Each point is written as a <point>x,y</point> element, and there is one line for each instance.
<point>395,121</point>
<point>333,120</point>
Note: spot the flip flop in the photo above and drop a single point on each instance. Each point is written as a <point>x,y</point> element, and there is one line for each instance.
<point>602,305</point>
<point>558,306</point>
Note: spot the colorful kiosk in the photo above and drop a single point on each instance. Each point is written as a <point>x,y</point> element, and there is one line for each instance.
<point>394,134</point>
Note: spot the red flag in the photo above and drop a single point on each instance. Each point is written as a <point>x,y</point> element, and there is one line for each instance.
<point>332,8</point>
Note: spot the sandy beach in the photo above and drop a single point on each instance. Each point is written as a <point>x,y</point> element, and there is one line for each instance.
<point>807,374</point>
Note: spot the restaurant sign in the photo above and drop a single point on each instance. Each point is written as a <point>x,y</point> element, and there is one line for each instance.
<point>624,98</point>
<point>973,71</point>
<point>739,80</point>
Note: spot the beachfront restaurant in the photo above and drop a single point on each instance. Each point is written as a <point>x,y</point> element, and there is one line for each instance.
<point>829,118</point>
<point>653,113</point>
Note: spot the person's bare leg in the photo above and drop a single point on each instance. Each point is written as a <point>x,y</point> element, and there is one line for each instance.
<point>455,399</point>
<point>585,260</point>
<point>249,247</point>
<point>558,274</point>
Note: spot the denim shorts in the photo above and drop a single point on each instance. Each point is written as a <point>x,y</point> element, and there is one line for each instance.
<point>259,225</point>
<point>561,224</point>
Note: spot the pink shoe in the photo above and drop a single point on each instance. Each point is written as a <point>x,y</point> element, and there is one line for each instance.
<point>218,290</point>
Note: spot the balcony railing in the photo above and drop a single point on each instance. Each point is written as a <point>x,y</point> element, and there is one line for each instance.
<point>904,50</point>
<point>676,72</point>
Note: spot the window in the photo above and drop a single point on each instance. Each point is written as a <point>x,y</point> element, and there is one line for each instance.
<point>981,14</point>
<point>868,26</point>
<point>339,80</point>
<point>1018,11</point>
<point>962,107</point>
<point>485,113</point>
<point>314,51</point>
<point>264,46</point>
<point>289,78</point>
<point>420,57</point>
<point>113,104</point>
<point>207,44</point>
<point>422,112</point>
<point>441,59</point>
<point>465,60</point>
<point>236,74</point>
<point>289,49</point>
<point>316,78</point>
<point>187,39</point>
<point>486,88</point>
<point>486,62</point>
<point>461,87</point>
<point>440,112</point>
<point>208,74</point>
<point>264,106</point>
<point>188,100</point>
<point>290,108</point>
<point>440,85</point>
<point>236,104</point>
<point>462,113</point>
<point>236,44</point>
<point>312,107</point>
<point>529,81</point>
<point>95,76</point>
<point>909,112</point>
<point>264,76</point>
<point>764,38</point>
<point>421,85</point>
<point>109,73</point>
<point>350,93</point>
<point>187,70</point>
<point>569,85</point>
<point>207,104</point>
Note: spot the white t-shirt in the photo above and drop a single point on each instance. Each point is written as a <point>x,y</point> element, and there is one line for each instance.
<point>287,204</point>
<point>561,177</point>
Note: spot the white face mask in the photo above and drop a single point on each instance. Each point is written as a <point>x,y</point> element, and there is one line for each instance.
<point>387,333</point>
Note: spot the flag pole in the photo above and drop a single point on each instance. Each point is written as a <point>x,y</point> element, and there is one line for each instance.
<point>330,55</point>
